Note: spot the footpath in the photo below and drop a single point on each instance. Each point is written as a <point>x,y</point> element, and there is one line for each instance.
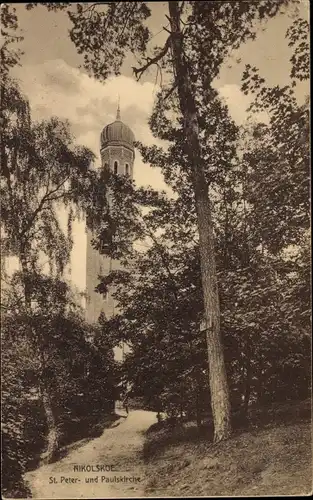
<point>110,466</point>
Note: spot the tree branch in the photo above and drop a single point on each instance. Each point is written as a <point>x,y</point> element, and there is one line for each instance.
<point>94,5</point>
<point>139,71</point>
<point>131,12</point>
<point>45,198</point>
<point>168,31</point>
<point>161,253</point>
<point>170,91</point>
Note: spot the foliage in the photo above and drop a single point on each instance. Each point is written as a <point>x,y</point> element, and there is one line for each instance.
<point>298,35</point>
<point>57,320</point>
<point>259,183</point>
<point>276,158</point>
<point>105,32</point>
<point>9,27</point>
<point>258,179</point>
<point>14,420</point>
<point>40,171</point>
<point>214,29</point>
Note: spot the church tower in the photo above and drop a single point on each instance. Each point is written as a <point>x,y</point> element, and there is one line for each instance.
<point>117,154</point>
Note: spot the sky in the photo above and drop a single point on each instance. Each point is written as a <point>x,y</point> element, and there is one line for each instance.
<point>55,83</point>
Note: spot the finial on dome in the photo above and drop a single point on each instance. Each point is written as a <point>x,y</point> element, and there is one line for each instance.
<point>118,113</point>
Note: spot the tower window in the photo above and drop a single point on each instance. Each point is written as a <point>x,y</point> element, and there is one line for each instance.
<point>127,169</point>
<point>106,166</point>
<point>115,167</point>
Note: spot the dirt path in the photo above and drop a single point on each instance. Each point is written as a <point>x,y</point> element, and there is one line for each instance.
<point>116,457</point>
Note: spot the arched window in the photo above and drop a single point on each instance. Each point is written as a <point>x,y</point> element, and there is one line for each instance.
<point>106,166</point>
<point>126,169</point>
<point>115,167</point>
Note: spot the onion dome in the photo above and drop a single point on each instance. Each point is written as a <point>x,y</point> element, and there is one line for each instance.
<point>117,134</point>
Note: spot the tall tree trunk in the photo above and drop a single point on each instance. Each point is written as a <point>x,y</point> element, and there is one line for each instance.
<point>198,410</point>
<point>260,384</point>
<point>217,372</point>
<point>226,229</point>
<point>247,394</point>
<point>52,437</point>
<point>198,398</point>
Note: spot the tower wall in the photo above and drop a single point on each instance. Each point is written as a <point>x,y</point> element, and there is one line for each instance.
<point>97,265</point>
<point>120,154</point>
<point>122,157</point>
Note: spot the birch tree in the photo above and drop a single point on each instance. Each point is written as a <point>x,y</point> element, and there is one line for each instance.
<point>39,170</point>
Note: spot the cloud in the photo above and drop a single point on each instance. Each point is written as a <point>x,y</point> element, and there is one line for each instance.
<point>57,89</point>
<point>238,104</point>
<point>60,76</point>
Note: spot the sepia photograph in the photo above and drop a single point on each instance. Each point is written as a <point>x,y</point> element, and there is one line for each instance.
<point>155,249</point>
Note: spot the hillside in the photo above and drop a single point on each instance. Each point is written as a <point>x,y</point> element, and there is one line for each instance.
<point>270,458</point>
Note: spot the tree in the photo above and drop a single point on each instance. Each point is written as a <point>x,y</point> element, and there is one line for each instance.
<point>57,321</point>
<point>41,170</point>
<point>275,181</point>
<point>261,347</point>
<point>105,35</point>
<point>280,150</point>
<point>14,387</point>
<point>160,305</point>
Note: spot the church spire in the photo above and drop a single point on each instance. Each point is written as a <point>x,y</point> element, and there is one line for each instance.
<point>118,112</point>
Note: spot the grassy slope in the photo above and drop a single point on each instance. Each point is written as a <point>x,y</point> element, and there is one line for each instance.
<point>271,458</point>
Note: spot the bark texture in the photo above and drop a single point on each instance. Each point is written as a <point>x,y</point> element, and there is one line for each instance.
<point>217,371</point>
<point>53,435</point>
